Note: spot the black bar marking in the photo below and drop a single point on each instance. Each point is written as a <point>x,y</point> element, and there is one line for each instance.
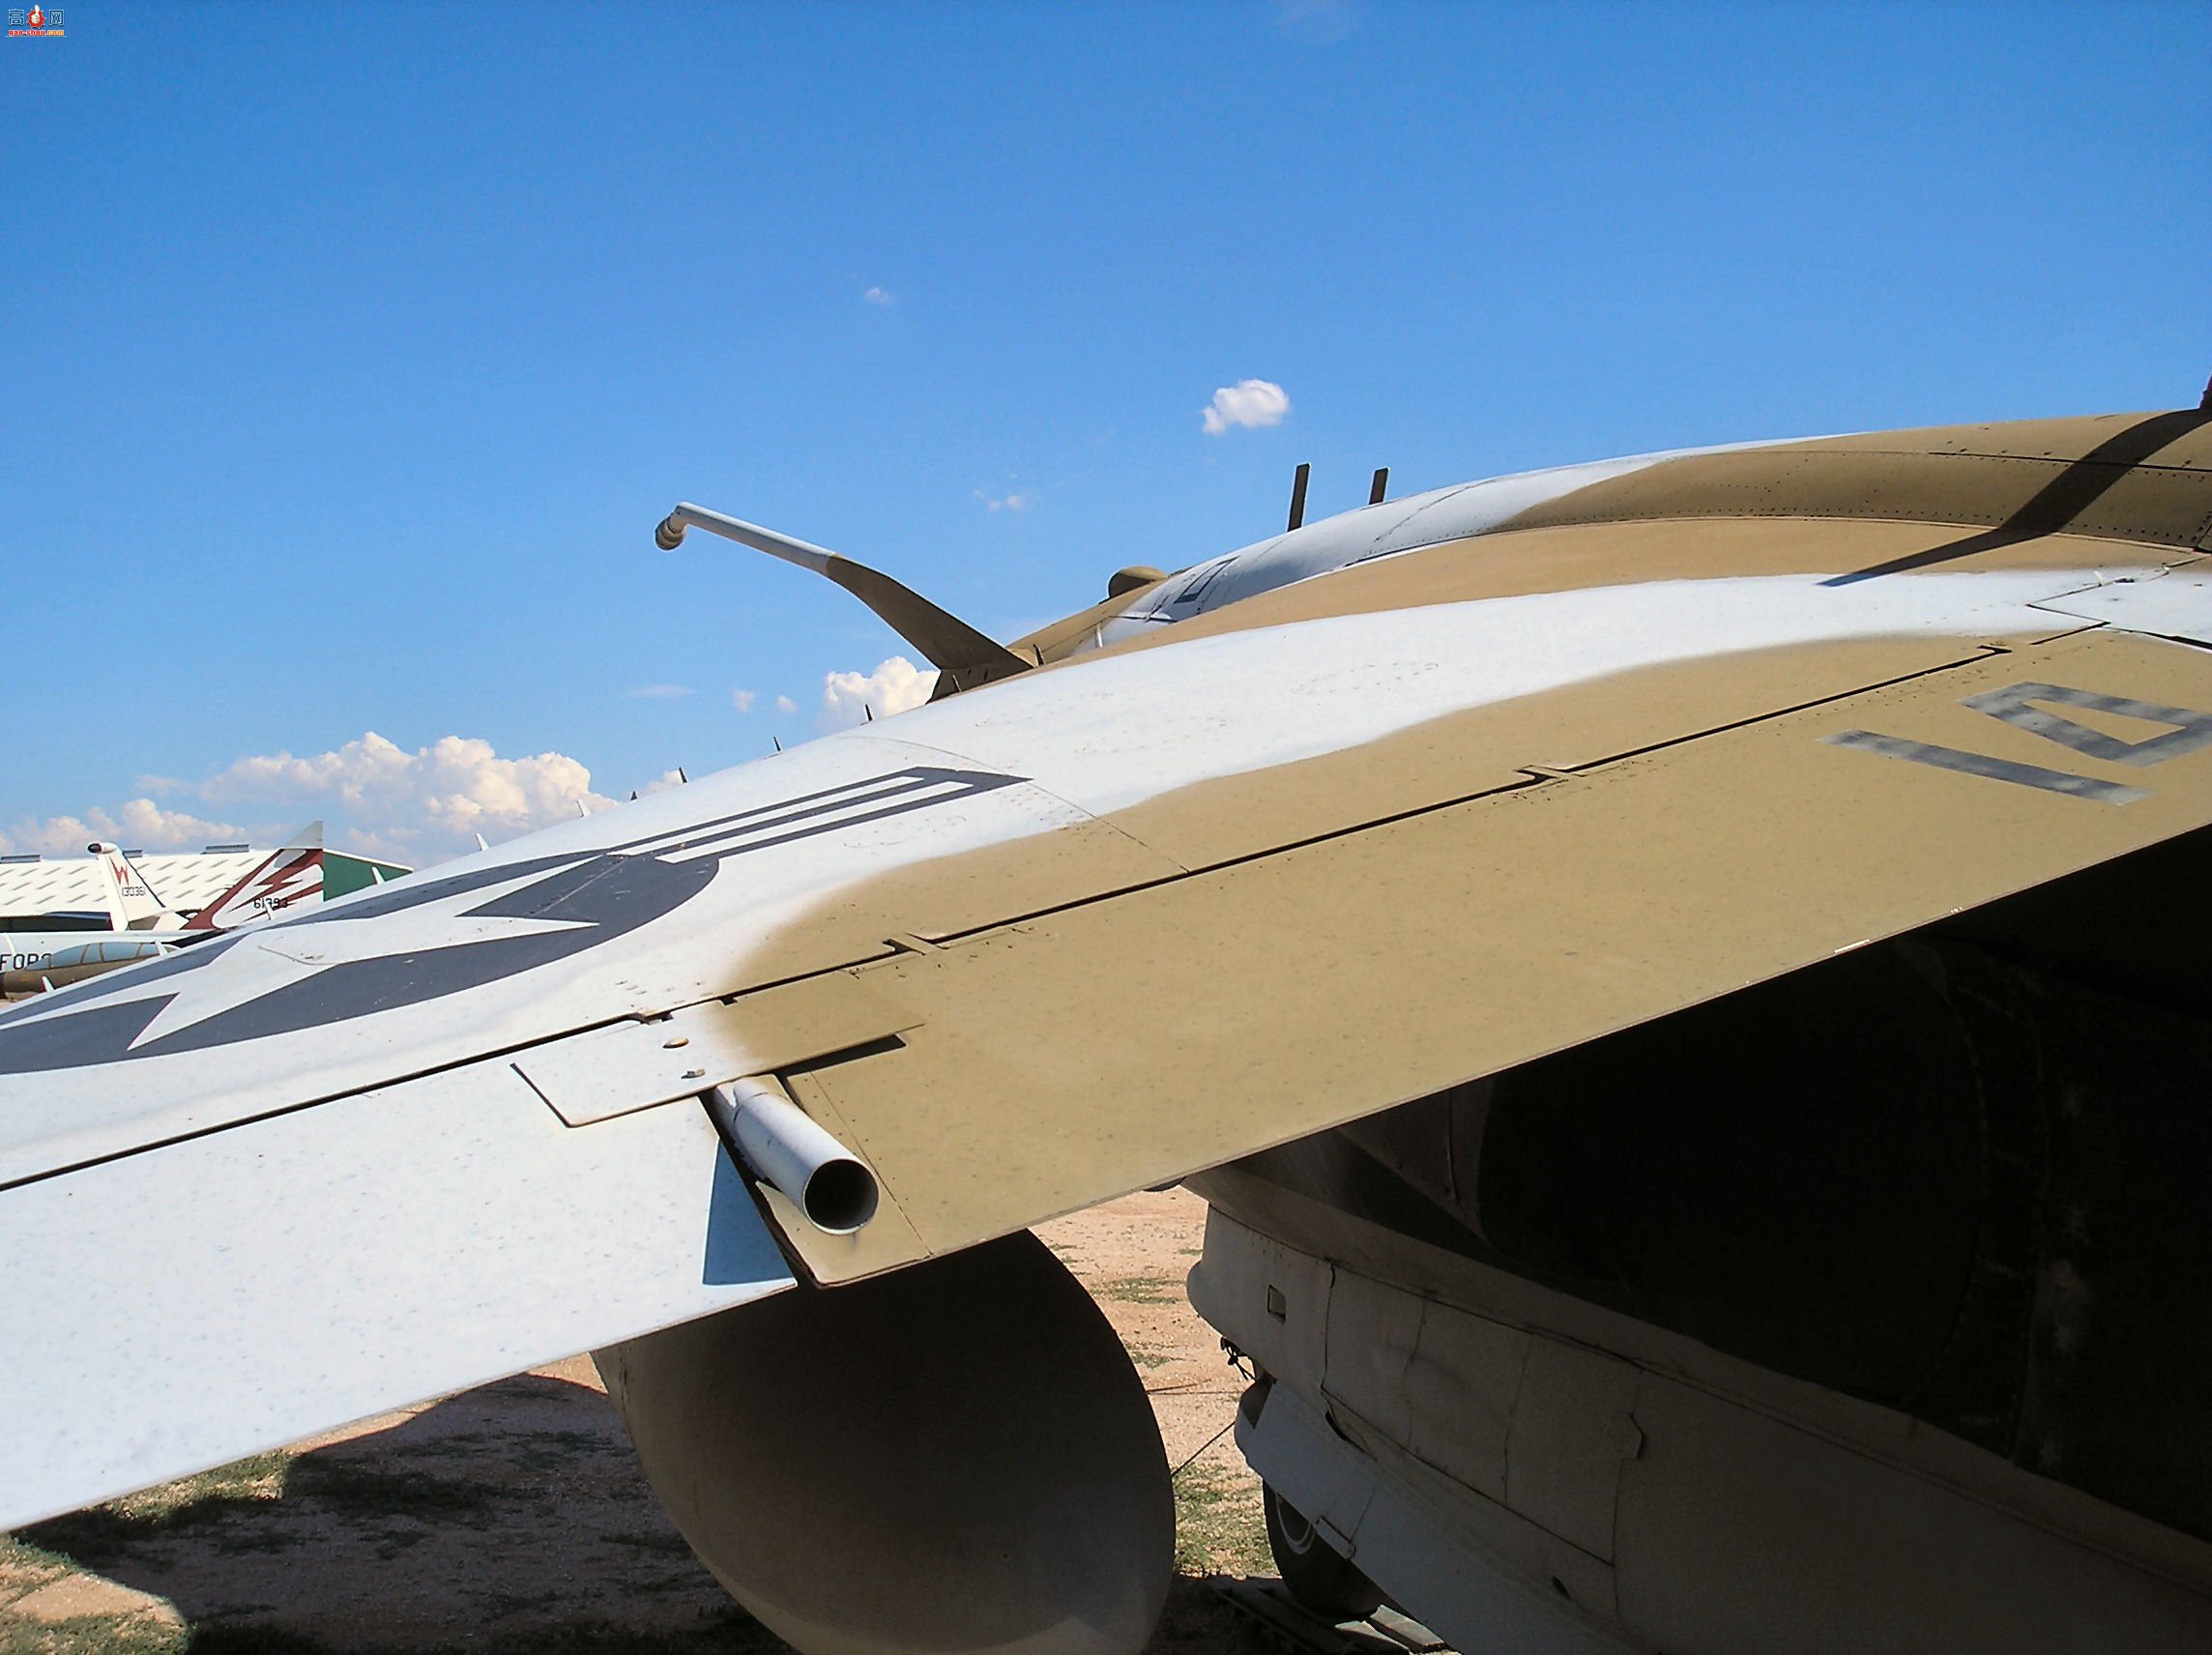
<point>2189,731</point>
<point>1298,495</point>
<point>1982,764</point>
<point>899,787</point>
<point>1197,588</point>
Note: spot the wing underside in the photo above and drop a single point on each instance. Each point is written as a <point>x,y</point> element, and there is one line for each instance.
<point>210,1298</point>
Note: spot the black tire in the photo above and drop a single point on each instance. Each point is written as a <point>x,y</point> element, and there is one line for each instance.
<point>1320,1578</point>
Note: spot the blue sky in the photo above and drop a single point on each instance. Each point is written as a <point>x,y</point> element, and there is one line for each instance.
<point>353,352</point>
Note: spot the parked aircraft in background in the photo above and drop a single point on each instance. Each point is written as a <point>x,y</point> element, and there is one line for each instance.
<point>64,964</point>
<point>1682,980</point>
<point>289,877</point>
<point>130,905</point>
<point>135,924</point>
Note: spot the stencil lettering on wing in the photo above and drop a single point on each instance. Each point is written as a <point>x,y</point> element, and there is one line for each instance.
<point>2026,707</point>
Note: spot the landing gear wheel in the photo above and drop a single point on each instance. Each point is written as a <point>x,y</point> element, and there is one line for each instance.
<point>1317,1574</point>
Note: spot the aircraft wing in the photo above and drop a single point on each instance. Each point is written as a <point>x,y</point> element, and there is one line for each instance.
<point>1088,929</point>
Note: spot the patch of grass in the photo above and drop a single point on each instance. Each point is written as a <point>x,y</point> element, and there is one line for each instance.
<point>361,1489</point>
<point>94,1634</point>
<point>1142,1290</point>
<point>103,1533</point>
<point>1147,1357</point>
<point>1220,1528</point>
<point>221,1506</point>
<point>25,1565</point>
<point>259,1478</point>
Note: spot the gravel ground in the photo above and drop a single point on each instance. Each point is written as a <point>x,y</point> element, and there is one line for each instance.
<point>515,1518</point>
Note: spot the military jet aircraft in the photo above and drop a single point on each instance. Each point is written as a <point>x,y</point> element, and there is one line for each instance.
<point>1684,981</point>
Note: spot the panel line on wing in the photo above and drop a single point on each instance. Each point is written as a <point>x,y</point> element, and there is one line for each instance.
<point>1529,776</point>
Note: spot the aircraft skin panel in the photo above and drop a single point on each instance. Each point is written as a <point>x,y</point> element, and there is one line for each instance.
<point>439,969</point>
<point>2177,605</point>
<point>2029,477</point>
<point>237,1292</point>
<point>1557,561</point>
<point>1120,730</point>
<point>1271,1003</point>
<point>2163,438</point>
<point>1410,522</point>
<point>2163,502</point>
<point>443,967</point>
<point>1716,1518</point>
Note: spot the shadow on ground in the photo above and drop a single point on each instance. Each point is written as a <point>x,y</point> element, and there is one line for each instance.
<point>506,1519</point>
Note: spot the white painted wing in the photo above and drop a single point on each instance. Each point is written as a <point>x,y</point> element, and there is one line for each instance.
<point>176,1309</point>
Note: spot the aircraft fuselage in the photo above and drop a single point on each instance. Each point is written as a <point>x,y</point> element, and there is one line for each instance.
<point>1839,1292</point>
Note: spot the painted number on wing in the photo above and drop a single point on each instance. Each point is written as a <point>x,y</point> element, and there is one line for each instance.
<point>2026,706</point>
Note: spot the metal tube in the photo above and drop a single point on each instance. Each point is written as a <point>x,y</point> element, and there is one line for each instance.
<point>804,553</point>
<point>777,1141</point>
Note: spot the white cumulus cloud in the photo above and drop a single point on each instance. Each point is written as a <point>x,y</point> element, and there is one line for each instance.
<point>141,825</point>
<point>415,806</point>
<point>877,296</point>
<point>849,697</point>
<point>1014,502</point>
<point>743,700</point>
<point>784,703</point>
<point>1249,402</point>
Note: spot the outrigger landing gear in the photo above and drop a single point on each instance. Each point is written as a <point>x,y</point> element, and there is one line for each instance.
<point>1317,1574</point>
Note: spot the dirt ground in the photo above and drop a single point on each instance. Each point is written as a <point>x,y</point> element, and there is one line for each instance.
<point>515,1518</point>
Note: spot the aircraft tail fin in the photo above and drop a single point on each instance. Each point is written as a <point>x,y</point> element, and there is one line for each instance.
<point>131,905</point>
<point>287,878</point>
